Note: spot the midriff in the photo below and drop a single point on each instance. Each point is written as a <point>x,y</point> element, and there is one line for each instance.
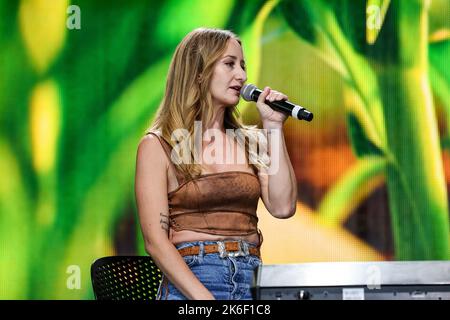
<point>177,237</point>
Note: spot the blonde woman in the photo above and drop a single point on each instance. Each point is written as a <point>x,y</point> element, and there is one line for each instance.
<point>198,217</point>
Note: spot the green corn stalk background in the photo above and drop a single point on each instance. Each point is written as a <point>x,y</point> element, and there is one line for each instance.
<point>108,79</point>
<point>416,183</point>
<point>392,117</point>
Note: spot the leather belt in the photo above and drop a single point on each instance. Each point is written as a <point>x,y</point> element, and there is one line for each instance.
<point>225,249</point>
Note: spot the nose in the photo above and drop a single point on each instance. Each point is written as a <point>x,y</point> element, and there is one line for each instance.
<point>241,75</point>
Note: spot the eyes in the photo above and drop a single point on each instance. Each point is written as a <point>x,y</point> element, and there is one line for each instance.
<point>231,65</point>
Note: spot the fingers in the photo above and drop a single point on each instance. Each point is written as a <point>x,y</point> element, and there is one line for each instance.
<point>263,96</point>
<point>276,96</point>
<point>271,95</point>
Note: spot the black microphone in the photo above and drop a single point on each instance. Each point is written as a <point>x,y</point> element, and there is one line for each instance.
<point>251,93</point>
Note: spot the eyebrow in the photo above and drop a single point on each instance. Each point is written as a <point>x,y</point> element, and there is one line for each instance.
<point>233,57</point>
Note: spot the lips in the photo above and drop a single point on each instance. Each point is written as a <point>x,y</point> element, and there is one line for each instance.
<point>236,88</point>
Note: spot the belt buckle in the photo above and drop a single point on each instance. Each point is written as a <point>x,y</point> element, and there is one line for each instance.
<point>242,250</point>
<point>222,250</point>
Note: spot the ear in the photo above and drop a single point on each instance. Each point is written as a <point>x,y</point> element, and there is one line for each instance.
<point>199,78</point>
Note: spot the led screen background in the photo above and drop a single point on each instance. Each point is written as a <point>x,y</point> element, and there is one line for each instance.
<point>81,80</point>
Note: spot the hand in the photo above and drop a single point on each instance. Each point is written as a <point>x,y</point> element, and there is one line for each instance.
<point>269,117</point>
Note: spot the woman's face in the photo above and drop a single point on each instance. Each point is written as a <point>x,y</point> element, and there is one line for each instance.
<point>229,76</point>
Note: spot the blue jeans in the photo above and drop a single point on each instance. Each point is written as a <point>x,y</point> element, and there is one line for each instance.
<point>228,278</point>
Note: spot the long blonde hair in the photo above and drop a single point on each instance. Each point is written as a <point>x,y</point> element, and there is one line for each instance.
<point>187,96</point>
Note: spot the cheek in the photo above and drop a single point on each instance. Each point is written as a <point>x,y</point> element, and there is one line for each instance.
<point>218,86</point>
<point>221,77</point>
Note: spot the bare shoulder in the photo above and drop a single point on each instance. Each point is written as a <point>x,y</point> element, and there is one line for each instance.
<point>151,151</point>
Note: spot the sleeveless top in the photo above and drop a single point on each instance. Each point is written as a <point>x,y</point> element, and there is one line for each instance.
<point>221,203</point>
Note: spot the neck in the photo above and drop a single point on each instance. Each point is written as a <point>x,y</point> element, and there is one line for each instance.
<point>217,121</point>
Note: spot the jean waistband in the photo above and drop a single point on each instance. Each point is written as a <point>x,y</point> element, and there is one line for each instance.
<point>226,248</point>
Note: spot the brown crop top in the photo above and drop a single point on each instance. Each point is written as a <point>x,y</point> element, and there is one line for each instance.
<point>217,203</point>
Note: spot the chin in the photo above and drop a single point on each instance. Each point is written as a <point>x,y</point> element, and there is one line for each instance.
<point>229,102</point>
<point>231,105</point>
<point>232,102</point>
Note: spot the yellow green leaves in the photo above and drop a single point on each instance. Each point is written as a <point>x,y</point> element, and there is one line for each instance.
<point>178,18</point>
<point>15,227</point>
<point>439,25</point>
<point>45,124</point>
<point>356,184</point>
<point>43,27</point>
<point>251,42</point>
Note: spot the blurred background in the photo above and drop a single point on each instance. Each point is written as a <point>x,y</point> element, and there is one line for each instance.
<point>80,82</point>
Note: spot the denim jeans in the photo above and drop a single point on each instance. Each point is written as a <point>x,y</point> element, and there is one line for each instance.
<point>228,278</point>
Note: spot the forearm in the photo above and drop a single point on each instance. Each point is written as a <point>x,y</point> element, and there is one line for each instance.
<point>282,185</point>
<point>170,262</point>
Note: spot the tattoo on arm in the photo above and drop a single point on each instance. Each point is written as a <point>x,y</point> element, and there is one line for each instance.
<point>164,221</point>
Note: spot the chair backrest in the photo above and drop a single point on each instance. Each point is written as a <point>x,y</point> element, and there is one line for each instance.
<point>125,278</point>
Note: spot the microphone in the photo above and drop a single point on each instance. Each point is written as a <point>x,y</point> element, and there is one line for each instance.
<point>251,93</point>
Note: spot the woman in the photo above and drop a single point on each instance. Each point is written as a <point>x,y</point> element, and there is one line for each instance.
<point>199,218</point>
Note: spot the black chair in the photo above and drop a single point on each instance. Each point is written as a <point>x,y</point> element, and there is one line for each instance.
<point>125,278</point>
